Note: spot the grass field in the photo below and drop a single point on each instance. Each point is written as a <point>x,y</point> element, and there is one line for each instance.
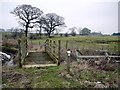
<point>109,43</point>
<point>82,38</point>
<point>81,75</point>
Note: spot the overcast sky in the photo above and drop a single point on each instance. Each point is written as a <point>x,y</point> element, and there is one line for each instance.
<point>97,15</point>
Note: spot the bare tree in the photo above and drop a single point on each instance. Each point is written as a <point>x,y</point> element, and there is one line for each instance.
<point>27,15</point>
<point>40,24</point>
<point>51,21</point>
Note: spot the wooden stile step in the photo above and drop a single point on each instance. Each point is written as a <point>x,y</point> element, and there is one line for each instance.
<point>39,65</point>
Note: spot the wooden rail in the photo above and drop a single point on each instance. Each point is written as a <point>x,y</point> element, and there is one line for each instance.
<point>108,57</point>
<point>97,56</point>
<point>53,49</point>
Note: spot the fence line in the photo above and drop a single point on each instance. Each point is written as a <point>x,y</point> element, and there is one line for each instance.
<point>88,50</point>
<point>106,56</point>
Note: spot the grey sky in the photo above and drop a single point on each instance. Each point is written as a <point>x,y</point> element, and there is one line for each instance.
<point>97,15</point>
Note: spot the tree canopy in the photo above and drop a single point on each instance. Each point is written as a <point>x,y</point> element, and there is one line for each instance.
<point>50,22</point>
<point>85,31</point>
<point>27,15</point>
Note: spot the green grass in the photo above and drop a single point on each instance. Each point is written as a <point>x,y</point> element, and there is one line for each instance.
<point>51,78</point>
<point>80,38</point>
<point>91,42</point>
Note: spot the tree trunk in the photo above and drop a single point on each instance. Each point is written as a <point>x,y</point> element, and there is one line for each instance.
<point>49,34</point>
<point>40,33</point>
<point>26,32</point>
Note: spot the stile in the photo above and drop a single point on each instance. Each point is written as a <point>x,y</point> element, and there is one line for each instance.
<point>53,49</point>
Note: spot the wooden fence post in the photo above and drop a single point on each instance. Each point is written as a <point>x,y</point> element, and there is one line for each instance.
<point>26,47</point>
<point>66,44</point>
<point>68,60</point>
<point>50,46</point>
<point>77,51</point>
<point>54,47</point>
<point>45,45</point>
<point>59,48</point>
<point>68,64</point>
<point>19,53</point>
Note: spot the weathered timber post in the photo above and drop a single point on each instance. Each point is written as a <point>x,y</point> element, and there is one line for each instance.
<point>46,45</point>
<point>26,49</point>
<point>107,57</point>
<point>53,47</point>
<point>39,45</point>
<point>77,51</point>
<point>19,53</point>
<point>66,44</point>
<point>59,47</point>
<point>50,46</point>
<point>68,60</point>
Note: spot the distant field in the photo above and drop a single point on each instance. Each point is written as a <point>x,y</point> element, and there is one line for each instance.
<point>110,43</point>
<point>83,38</point>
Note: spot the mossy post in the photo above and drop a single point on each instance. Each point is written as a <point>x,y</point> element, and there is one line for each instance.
<point>19,53</point>
<point>66,44</point>
<point>54,47</point>
<point>50,46</point>
<point>46,45</point>
<point>59,47</point>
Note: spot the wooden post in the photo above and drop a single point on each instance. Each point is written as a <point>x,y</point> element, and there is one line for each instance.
<point>26,47</point>
<point>66,44</point>
<point>19,53</point>
<point>50,46</point>
<point>39,46</point>
<point>59,47</point>
<point>78,60</point>
<point>45,45</point>
<point>68,64</point>
<point>68,60</point>
<point>54,47</point>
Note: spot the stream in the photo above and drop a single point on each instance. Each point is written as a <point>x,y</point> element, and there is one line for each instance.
<point>7,60</point>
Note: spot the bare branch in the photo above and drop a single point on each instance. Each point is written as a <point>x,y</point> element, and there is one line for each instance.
<point>28,14</point>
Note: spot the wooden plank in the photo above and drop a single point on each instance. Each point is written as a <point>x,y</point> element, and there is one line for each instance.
<point>97,56</point>
<point>54,58</point>
<point>39,65</point>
